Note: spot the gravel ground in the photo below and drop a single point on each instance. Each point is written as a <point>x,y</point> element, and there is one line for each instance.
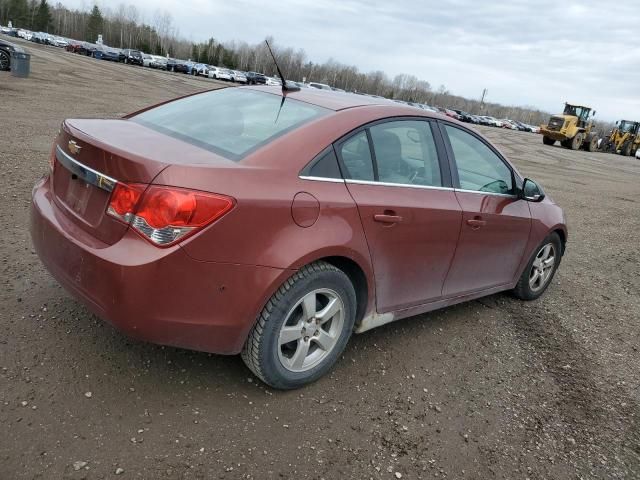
<point>495,388</point>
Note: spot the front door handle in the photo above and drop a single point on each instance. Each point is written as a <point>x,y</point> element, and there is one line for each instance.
<point>387,218</point>
<point>476,223</point>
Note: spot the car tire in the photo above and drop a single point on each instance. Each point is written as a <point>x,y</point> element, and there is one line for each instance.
<point>5,60</point>
<point>291,344</point>
<point>548,140</point>
<point>534,280</point>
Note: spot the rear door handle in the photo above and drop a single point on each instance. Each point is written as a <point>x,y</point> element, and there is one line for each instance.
<point>385,218</point>
<point>476,223</point>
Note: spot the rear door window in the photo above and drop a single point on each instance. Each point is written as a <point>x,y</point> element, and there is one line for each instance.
<point>405,153</point>
<point>356,157</point>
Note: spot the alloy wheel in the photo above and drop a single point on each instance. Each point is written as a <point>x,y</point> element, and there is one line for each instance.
<point>4,61</point>
<point>311,330</point>
<point>542,267</point>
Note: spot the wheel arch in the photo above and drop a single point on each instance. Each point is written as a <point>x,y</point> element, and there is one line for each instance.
<point>358,278</point>
<point>563,237</point>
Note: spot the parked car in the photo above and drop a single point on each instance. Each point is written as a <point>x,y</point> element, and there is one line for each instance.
<point>87,49</point>
<point>176,65</point>
<point>428,108</point>
<point>346,236</point>
<point>159,62</point>
<point>448,113</point>
<point>223,74</point>
<point>103,52</point>
<point>463,116</point>
<point>319,86</point>
<point>200,69</point>
<point>147,60</point>
<point>6,48</point>
<point>255,78</point>
<point>59,42</point>
<point>189,67</point>
<point>132,57</point>
<point>237,76</point>
<point>26,34</point>
<point>274,82</point>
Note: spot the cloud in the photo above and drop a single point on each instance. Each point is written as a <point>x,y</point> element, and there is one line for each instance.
<point>539,53</point>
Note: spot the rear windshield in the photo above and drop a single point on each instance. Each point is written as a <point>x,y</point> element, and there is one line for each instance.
<point>231,122</point>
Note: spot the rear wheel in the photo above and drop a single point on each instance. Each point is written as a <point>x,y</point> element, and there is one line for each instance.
<point>548,140</point>
<point>303,329</point>
<point>576,142</point>
<point>5,60</point>
<point>540,270</point>
<point>626,149</point>
<point>592,146</point>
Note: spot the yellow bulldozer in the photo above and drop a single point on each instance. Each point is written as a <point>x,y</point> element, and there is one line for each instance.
<point>624,139</point>
<point>573,129</point>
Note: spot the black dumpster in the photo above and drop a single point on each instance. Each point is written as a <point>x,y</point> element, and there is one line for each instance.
<point>20,64</point>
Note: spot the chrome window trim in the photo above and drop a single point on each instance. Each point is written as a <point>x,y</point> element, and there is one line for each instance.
<point>87,174</point>
<point>388,184</point>
<point>406,185</point>
<point>510,195</point>
<point>321,179</point>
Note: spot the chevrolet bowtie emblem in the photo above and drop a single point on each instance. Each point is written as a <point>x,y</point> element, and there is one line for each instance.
<point>74,147</point>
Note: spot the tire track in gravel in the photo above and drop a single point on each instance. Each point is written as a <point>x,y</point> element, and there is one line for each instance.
<point>604,420</point>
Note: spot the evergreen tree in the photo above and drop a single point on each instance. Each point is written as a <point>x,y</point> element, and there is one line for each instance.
<point>94,27</point>
<point>18,13</point>
<point>43,20</point>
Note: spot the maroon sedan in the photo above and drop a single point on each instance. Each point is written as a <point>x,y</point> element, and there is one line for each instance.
<point>247,221</point>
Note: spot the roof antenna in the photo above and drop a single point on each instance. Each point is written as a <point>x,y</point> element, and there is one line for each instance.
<point>285,87</point>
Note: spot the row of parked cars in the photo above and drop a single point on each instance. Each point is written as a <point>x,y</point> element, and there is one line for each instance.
<point>136,57</point>
<point>486,120</point>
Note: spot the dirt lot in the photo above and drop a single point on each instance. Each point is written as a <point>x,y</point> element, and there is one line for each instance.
<point>496,388</point>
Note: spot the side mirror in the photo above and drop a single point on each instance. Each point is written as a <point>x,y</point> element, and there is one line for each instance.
<point>531,191</point>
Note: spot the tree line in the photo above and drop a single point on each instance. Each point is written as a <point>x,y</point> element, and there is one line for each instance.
<point>125,27</point>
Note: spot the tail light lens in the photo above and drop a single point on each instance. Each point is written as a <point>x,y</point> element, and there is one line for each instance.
<point>166,215</point>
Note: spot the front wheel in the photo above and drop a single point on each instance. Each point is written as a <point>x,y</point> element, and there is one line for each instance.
<point>548,140</point>
<point>576,142</point>
<point>592,146</point>
<point>540,270</point>
<point>303,328</point>
<point>5,60</point>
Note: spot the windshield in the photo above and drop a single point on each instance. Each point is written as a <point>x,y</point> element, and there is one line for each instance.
<point>232,122</point>
<point>580,112</point>
<point>626,126</point>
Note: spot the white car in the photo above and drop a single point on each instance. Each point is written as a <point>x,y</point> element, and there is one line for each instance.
<point>146,60</point>
<point>59,42</point>
<point>319,86</point>
<point>638,154</point>
<point>219,73</point>
<point>273,82</point>
<point>239,77</point>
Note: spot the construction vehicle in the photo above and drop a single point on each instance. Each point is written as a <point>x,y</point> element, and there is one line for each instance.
<point>624,139</point>
<point>573,129</point>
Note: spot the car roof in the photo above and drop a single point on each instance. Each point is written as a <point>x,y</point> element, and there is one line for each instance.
<point>330,99</point>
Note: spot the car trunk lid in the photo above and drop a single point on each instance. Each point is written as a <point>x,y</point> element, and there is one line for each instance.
<point>93,155</point>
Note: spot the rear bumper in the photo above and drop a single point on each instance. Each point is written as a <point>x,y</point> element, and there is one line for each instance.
<point>158,295</point>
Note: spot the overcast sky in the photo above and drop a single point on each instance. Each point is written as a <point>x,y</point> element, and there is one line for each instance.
<point>535,52</point>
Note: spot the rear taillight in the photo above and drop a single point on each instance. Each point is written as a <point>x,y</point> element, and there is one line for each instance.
<point>166,215</point>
